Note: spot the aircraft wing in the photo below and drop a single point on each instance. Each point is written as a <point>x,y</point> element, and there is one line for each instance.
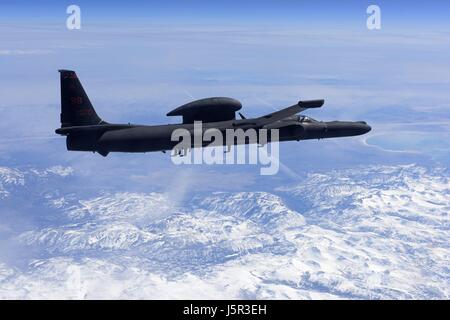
<point>289,111</point>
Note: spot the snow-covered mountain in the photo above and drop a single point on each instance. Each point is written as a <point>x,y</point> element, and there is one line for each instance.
<point>8,179</point>
<point>370,232</point>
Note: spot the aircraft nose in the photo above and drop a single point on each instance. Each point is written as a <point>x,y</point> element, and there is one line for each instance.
<point>366,128</point>
<point>362,127</point>
<point>347,128</point>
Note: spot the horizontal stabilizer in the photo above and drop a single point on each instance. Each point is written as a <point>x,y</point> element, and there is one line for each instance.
<point>100,128</point>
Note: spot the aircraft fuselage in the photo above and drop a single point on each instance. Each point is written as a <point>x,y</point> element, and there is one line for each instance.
<point>143,138</point>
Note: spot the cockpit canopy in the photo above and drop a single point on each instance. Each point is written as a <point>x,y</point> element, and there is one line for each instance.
<point>299,118</point>
<point>305,119</point>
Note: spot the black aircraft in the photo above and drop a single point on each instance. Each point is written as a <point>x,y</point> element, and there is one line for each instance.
<point>85,130</point>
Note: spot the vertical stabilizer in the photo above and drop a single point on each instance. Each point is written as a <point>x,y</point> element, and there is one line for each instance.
<point>76,108</point>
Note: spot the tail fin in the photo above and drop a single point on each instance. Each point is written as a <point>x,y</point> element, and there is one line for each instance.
<point>76,109</point>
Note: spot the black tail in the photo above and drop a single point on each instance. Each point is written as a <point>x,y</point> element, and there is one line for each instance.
<point>76,109</point>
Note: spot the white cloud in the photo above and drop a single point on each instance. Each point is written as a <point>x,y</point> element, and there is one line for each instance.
<point>14,52</point>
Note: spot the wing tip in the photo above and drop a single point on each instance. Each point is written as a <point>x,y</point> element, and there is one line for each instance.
<point>311,103</point>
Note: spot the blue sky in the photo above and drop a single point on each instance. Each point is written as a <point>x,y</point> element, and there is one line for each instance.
<point>322,12</point>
